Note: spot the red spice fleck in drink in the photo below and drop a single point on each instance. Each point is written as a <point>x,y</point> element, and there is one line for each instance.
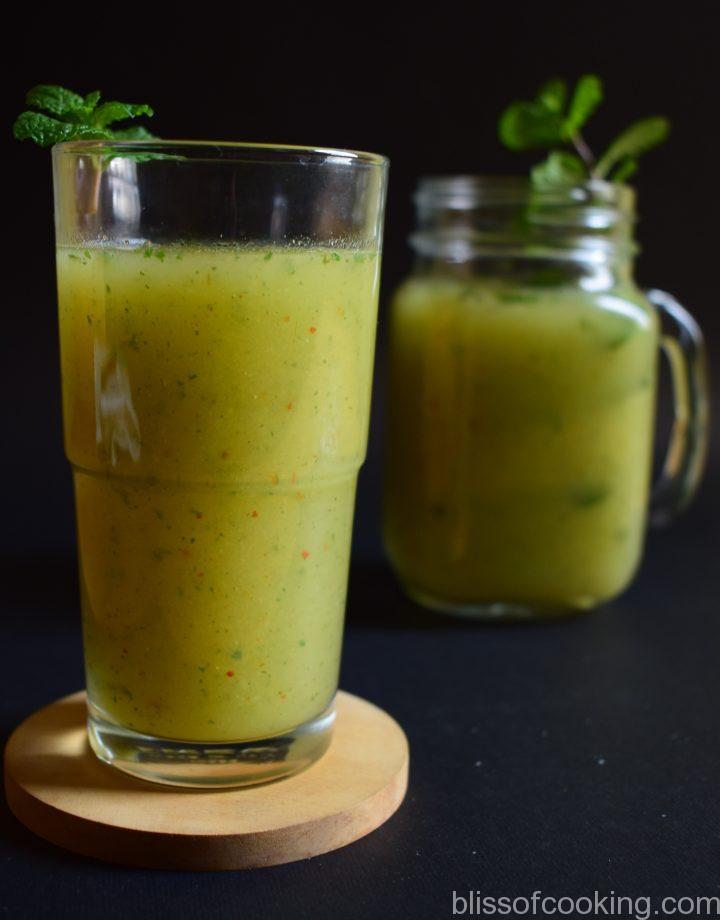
<point>230,673</point>
<point>286,319</point>
<point>289,405</point>
<point>254,514</point>
<point>313,330</point>
<point>200,574</point>
<point>184,551</point>
<point>274,479</point>
<point>224,455</point>
<point>198,515</point>
<point>304,554</point>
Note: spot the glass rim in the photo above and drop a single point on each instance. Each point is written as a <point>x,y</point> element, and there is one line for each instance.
<point>229,151</point>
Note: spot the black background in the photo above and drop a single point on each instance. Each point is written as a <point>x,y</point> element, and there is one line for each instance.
<point>634,685</point>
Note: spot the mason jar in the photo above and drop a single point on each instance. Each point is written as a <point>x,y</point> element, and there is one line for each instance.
<point>521,403</point>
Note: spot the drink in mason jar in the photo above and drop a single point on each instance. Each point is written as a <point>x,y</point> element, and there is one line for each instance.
<point>519,444</point>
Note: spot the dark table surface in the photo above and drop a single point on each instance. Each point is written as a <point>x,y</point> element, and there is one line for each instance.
<point>567,757</point>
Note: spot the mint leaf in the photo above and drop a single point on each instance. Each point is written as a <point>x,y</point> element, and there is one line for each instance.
<point>530,126</point>
<point>553,95</point>
<point>560,169</point>
<point>55,99</point>
<point>91,100</point>
<point>586,98</point>
<point>46,131</point>
<point>638,138</point>
<point>109,112</point>
<point>625,169</point>
<point>63,103</point>
<point>71,116</point>
<point>549,122</point>
<point>133,133</point>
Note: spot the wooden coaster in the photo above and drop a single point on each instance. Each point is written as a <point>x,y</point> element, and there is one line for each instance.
<point>58,788</point>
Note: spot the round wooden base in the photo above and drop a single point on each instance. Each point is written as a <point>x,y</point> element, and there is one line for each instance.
<point>58,788</point>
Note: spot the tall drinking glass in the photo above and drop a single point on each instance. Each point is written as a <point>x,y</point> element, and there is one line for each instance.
<point>217,322</point>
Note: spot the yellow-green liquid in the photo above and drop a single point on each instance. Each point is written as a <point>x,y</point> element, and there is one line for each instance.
<point>216,407</point>
<point>519,442</point>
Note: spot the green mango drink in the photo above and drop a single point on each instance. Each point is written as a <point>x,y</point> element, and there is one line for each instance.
<point>216,407</point>
<point>519,441</point>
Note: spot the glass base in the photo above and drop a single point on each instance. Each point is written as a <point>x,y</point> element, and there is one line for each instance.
<point>210,765</point>
<point>499,611</point>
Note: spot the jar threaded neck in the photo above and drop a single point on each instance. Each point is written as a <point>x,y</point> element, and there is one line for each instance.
<point>465,217</point>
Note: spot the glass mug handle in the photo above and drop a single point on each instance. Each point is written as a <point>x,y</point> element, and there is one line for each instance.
<point>684,347</point>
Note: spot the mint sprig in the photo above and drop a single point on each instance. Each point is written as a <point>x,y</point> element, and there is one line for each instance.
<point>57,114</point>
<point>551,122</point>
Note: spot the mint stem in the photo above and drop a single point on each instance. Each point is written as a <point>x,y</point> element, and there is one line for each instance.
<point>586,154</point>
